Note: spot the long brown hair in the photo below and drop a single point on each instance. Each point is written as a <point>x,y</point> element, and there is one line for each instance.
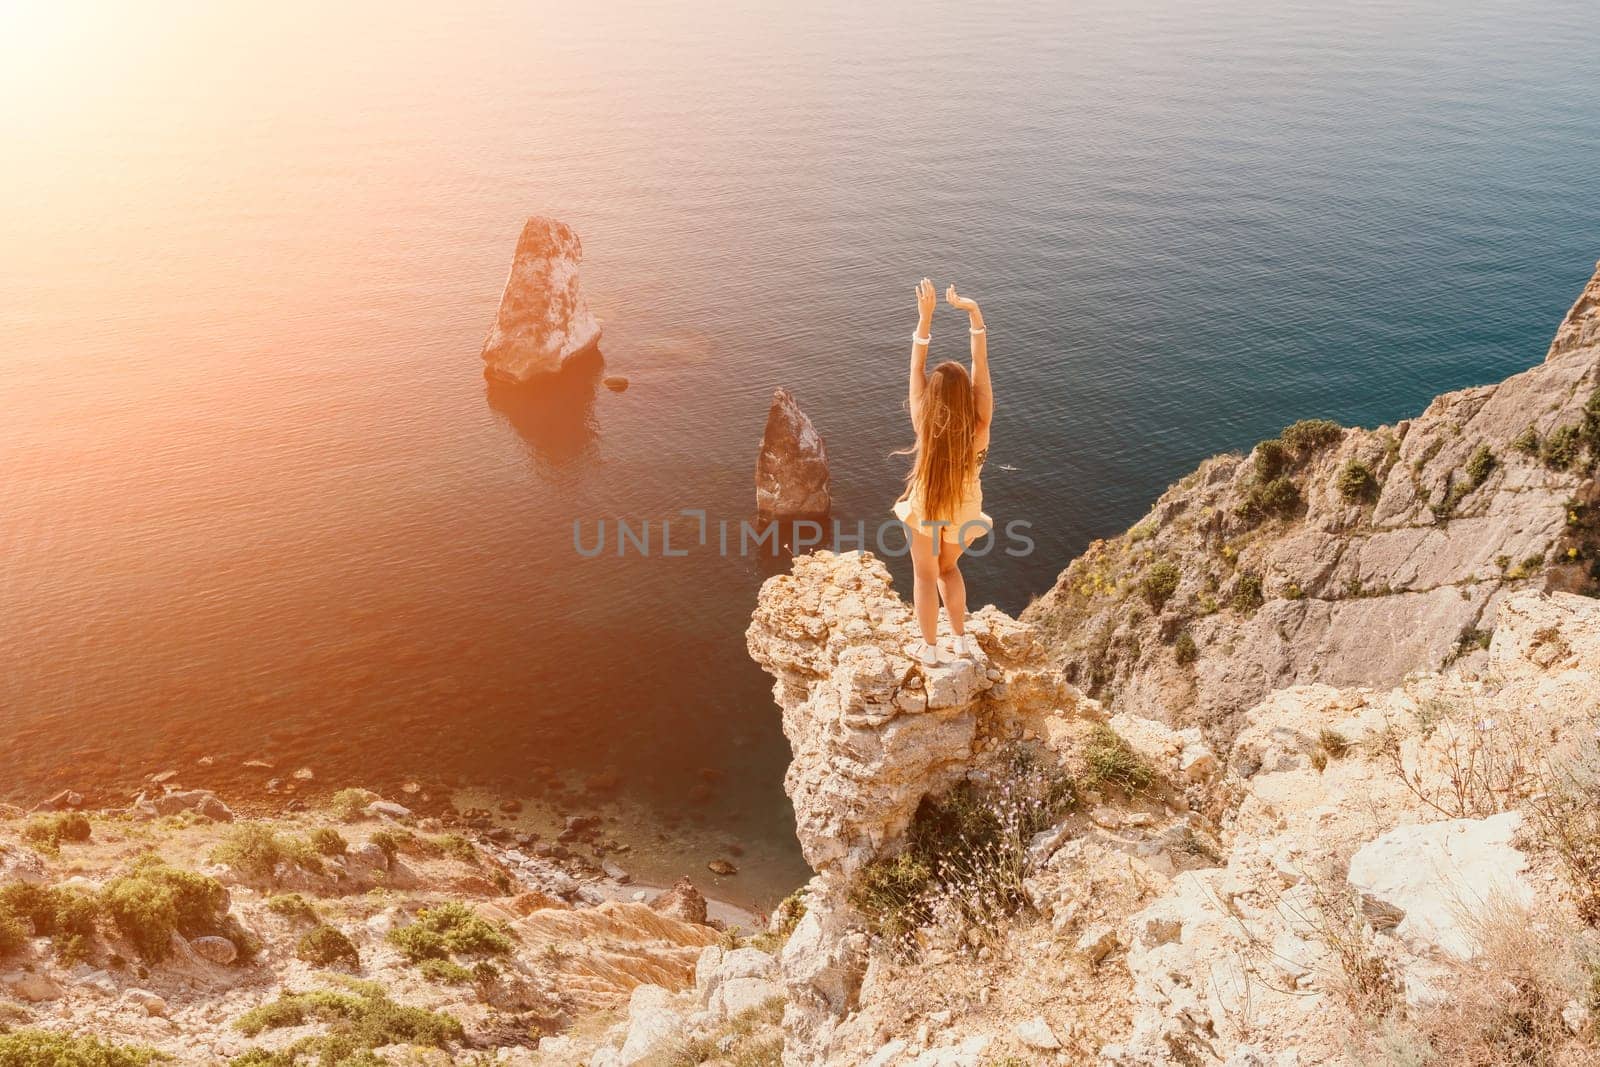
<point>946,422</point>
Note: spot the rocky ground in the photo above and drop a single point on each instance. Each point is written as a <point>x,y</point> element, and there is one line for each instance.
<point>351,932</point>
<point>1361,864</point>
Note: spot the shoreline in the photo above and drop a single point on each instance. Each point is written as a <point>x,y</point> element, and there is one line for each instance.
<point>621,851</point>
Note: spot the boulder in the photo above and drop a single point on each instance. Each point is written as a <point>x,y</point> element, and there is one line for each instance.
<point>543,319</point>
<point>388,809</point>
<point>1437,875</point>
<point>66,800</point>
<point>655,1026</point>
<point>202,802</point>
<point>1036,1034</point>
<point>150,1002</point>
<point>216,949</point>
<point>683,902</point>
<point>729,983</point>
<point>792,467</point>
<point>31,986</point>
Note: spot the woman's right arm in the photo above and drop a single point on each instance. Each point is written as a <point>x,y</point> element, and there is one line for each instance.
<point>926,299</point>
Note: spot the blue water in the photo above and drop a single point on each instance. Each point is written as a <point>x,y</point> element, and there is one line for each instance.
<point>257,499</point>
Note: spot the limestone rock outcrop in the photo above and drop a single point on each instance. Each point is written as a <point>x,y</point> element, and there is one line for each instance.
<point>1343,556</point>
<point>543,319</point>
<point>873,731</point>
<point>792,467</point>
<point>1581,327</point>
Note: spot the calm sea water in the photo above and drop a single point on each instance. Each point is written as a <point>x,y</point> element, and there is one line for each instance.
<point>257,500</point>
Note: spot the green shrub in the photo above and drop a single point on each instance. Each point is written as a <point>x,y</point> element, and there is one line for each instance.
<point>325,946</point>
<point>1479,465</point>
<point>1309,435</point>
<point>1561,448</point>
<point>47,832</point>
<point>293,906</point>
<point>1279,497</point>
<point>1527,442</point>
<point>1454,492</point>
<point>42,1048</point>
<point>13,934</point>
<point>1184,649</point>
<point>328,841</point>
<point>1247,595</point>
<point>1112,762</point>
<point>391,841</point>
<point>1160,581</point>
<point>790,911</point>
<point>445,929</point>
<point>255,850</point>
<point>892,894</point>
<point>350,805</point>
<point>445,972</point>
<point>154,901</point>
<point>457,847</point>
<point>1356,481</point>
<point>1270,459</point>
<point>66,915</point>
<point>357,1022</point>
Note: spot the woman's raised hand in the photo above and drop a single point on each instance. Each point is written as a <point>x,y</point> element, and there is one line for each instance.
<point>966,304</point>
<point>927,299</point>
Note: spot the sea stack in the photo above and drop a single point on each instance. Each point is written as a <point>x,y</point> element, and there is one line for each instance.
<point>543,320</point>
<point>792,469</point>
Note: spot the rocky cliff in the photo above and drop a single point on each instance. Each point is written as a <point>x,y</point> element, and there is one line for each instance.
<point>1302,769</point>
<point>1343,556</point>
<point>1348,880</point>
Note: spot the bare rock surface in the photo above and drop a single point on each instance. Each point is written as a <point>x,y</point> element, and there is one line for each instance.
<point>543,319</point>
<point>1430,878</point>
<point>792,467</point>
<point>1343,556</point>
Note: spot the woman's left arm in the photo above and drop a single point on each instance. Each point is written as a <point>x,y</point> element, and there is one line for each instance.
<point>982,392</point>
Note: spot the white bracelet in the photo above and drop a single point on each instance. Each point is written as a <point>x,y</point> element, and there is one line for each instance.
<point>920,340</point>
<point>980,331</point>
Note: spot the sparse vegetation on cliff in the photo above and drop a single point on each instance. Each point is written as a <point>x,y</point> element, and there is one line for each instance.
<point>43,1048</point>
<point>155,901</point>
<point>358,1019</point>
<point>448,928</point>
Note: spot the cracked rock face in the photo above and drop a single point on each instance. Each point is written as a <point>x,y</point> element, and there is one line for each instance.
<point>543,319</point>
<point>1238,959</point>
<point>1347,557</point>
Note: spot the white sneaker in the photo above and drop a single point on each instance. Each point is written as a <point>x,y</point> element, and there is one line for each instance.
<point>923,653</point>
<point>967,645</point>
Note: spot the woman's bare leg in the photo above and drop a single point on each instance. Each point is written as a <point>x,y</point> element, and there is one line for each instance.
<point>925,584</point>
<point>952,587</point>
